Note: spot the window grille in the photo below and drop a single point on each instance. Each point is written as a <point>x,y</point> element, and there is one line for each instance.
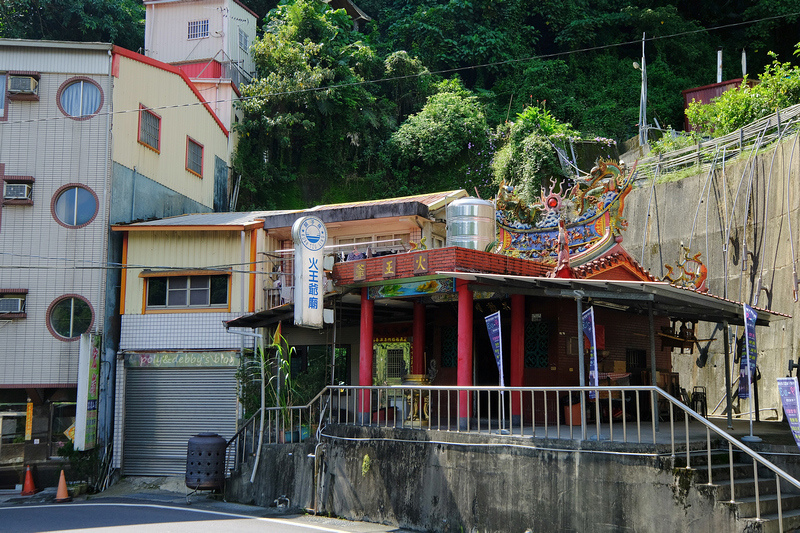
<point>198,29</point>
<point>537,336</point>
<point>150,129</point>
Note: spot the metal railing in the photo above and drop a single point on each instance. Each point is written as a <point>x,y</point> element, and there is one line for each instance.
<point>702,155</point>
<point>636,414</point>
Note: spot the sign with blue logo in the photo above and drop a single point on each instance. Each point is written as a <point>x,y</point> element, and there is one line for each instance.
<point>310,236</point>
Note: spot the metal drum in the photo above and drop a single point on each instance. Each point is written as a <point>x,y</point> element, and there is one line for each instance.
<point>205,462</point>
<point>471,223</point>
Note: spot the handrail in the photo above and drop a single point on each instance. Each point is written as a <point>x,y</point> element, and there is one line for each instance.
<point>412,397</point>
<point>244,426</point>
<point>416,406</point>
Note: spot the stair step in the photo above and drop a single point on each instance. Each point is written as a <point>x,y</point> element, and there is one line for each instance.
<point>770,523</point>
<point>722,471</point>
<point>744,488</point>
<point>769,504</point>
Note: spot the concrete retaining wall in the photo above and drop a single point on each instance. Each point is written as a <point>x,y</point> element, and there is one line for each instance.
<point>477,482</point>
<point>747,208</point>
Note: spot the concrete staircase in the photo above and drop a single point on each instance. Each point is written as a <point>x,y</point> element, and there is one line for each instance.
<point>741,498</point>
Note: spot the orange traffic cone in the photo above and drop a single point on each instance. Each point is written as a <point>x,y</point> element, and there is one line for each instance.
<point>62,495</point>
<point>28,489</point>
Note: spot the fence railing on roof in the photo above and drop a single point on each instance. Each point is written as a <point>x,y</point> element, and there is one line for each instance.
<point>746,140</point>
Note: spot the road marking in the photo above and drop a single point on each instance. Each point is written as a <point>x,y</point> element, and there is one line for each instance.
<point>205,511</point>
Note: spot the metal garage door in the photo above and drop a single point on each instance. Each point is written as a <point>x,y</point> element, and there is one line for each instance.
<point>165,407</point>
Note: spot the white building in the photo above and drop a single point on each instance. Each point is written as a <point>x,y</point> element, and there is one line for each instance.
<point>90,134</point>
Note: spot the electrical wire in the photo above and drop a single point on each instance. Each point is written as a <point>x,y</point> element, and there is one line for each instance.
<point>789,215</point>
<point>766,213</point>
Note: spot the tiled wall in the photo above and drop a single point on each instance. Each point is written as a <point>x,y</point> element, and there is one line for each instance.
<point>179,331</point>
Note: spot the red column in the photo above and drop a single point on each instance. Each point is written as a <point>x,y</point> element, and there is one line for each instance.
<point>517,351</point>
<point>365,355</point>
<point>418,349</point>
<point>464,374</point>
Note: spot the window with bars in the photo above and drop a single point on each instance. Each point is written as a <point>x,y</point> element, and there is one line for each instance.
<point>449,346</point>
<point>198,29</point>
<point>149,129</point>
<point>243,40</point>
<point>537,337</point>
<point>194,157</point>
<point>187,292</point>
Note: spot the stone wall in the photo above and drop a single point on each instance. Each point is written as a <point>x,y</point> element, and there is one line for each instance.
<point>747,207</point>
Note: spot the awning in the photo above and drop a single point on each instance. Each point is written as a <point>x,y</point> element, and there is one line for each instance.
<point>347,312</point>
<point>630,296</point>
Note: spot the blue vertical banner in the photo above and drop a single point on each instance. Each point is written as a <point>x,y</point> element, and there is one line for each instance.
<point>588,331</point>
<point>748,371</point>
<point>493,326</point>
<point>787,389</point>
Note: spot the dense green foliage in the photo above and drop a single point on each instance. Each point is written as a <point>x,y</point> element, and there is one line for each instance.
<point>117,21</point>
<point>778,87</point>
<point>424,98</point>
<point>337,115</point>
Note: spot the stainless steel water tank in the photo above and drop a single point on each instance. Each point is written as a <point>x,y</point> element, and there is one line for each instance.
<point>471,223</point>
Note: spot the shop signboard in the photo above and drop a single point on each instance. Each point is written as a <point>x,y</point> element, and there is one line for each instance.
<point>85,431</point>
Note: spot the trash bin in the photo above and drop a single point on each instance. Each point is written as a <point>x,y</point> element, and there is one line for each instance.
<point>205,462</point>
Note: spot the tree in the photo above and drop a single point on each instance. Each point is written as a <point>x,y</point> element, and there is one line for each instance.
<point>117,21</point>
<point>778,87</point>
<point>528,159</point>
<point>443,143</point>
<point>316,115</point>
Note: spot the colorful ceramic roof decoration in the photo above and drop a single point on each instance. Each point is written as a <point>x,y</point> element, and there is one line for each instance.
<point>690,273</point>
<point>591,210</point>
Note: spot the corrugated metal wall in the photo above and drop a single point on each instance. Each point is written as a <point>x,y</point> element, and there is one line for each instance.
<point>48,259</point>
<point>165,407</point>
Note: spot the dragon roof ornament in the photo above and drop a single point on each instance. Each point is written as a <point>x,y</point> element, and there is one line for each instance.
<point>591,210</point>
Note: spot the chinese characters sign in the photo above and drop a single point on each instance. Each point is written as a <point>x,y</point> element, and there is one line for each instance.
<point>495,337</point>
<point>310,236</point>
<point>747,372</point>
<point>787,389</point>
<point>588,330</point>
<point>85,436</point>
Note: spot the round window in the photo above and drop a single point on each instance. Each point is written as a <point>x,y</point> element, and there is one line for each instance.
<point>74,206</point>
<point>69,317</point>
<point>80,98</point>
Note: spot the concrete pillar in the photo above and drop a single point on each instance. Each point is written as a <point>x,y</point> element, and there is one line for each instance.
<point>464,374</point>
<point>365,356</point>
<point>517,353</point>
<point>418,348</point>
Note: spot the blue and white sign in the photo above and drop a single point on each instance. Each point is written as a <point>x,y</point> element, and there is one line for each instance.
<point>588,331</point>
<point>310,236</point>
<point>493,326</point>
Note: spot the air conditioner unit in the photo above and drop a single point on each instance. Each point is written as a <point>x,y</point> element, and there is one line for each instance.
<point>23,85</point>
<point>17,191</point>
<point>11,305</point>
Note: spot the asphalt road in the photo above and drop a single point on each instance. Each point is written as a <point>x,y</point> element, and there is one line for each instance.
<point>138,517</point>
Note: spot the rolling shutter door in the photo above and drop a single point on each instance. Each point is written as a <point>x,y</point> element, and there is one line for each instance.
<point>165,407</point>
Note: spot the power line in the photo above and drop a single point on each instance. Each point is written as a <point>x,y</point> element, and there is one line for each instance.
<point>425,73</point>
<point>87,264</point>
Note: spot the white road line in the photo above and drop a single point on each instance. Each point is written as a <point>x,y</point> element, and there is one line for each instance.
<point>205,511</point>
